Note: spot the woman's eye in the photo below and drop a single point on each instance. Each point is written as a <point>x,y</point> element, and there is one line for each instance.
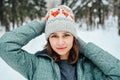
<point>54,36</point>
<point>66,35</point>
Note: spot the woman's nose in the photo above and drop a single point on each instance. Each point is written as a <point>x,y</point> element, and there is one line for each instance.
<point>61,41</point>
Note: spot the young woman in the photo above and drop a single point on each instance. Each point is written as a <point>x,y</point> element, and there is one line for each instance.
<point>65,57</point>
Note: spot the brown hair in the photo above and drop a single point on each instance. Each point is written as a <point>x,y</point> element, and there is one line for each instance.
<point>73,56</point>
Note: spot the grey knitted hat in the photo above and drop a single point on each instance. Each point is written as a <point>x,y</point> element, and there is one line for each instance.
<point>60,18</point>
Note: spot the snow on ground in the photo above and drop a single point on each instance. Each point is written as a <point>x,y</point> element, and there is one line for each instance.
<point>107,39</point>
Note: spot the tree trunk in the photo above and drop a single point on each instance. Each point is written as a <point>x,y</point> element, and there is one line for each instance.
<point>1,11</point>
<point>119,17</point>
<point>13,13</point>
<point>90,18</point>
<point>7,27</point>
<point>64,2</point>
<point>99,15</point>
<point>119,23</point>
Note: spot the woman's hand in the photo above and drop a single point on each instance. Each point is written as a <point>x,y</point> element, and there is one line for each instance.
<point>81,44</point>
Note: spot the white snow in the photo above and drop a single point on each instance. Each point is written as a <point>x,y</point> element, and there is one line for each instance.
<point>107,39</point>
<point>105,2</point>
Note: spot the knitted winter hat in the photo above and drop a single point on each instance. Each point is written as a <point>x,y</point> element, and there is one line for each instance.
<point>60,18</point>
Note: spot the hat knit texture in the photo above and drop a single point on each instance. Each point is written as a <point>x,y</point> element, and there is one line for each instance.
<point>60,18</point>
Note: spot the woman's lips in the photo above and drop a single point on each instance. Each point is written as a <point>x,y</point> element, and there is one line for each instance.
<point>62,48</point>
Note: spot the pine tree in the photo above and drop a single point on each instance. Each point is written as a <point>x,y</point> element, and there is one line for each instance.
<point>1,10</point>
<point>119,17</point>
<point>4,18</point>
<point>15,11</point>
<point>84,10</point>
<point>40,8</point>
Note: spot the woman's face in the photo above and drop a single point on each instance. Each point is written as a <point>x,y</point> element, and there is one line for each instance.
<point>61,42</point>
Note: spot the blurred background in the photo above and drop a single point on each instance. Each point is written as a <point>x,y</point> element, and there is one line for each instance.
<point>93,12</point>
<point>98,21</point>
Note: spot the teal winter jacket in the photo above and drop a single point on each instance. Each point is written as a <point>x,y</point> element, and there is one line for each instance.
<point>96,64</point>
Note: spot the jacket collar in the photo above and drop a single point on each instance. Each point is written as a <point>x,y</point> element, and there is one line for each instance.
<point>43,53</point>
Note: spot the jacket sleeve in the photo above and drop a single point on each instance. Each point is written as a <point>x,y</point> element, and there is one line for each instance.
<point>11,44</point>
<point>108,64</point>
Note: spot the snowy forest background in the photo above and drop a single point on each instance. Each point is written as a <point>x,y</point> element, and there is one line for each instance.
<point>16,12</point>
<point>98,21</point>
